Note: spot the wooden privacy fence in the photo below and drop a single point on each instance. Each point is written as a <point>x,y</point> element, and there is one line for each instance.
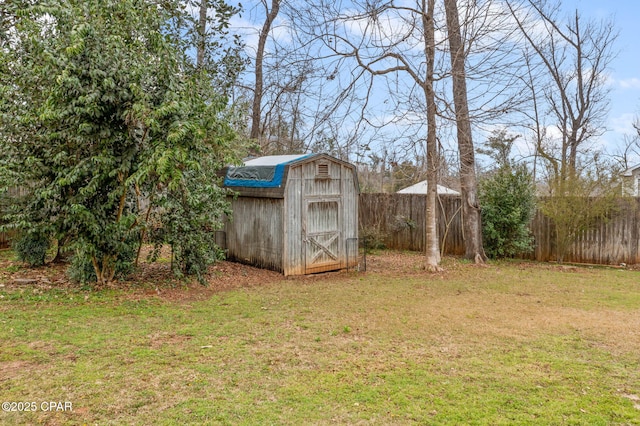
<point>397,220</point>
<point>610,242</point>
<point>5,240</point>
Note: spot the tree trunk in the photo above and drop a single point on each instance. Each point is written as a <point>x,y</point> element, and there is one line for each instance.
<point>202,34</point>
<point>259,79</point>
<point>432,246</point>
<point>470,207</point>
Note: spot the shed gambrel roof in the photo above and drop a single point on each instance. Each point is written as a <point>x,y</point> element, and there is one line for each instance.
<point>267,176</point>
<point>261,172</point>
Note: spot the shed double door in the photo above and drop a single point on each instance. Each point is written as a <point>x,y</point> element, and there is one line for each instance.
<point>322,235</point>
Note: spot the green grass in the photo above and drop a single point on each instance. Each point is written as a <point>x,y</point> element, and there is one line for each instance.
<point>514,343</point>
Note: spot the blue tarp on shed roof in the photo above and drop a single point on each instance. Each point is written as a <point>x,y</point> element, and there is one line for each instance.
<point>262,172</point>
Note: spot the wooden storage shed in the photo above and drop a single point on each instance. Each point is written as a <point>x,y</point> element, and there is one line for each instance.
<point>296,214</point>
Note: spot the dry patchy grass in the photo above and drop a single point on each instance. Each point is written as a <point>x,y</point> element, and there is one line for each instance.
<point>510,343</point>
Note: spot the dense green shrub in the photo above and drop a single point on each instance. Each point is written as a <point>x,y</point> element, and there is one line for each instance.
<point>31,247</point>
<point>82,270</point>
<point>188,218</point>
<point>508,204</point>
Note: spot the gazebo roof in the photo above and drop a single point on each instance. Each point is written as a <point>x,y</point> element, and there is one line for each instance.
<point>421,188</point>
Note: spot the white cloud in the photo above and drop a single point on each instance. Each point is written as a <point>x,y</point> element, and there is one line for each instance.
<point>248,30</point>
<point>623,124</point>
<point>629,83</point>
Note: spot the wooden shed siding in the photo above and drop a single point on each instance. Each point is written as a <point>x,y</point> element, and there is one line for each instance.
<point>258,192</point>
<point>314,186</point>
<point>293,223</point>
<point>350,196</point>
<point>323,223</point>
<point>256,234</point>
<point>303,186</point>
<point>315,190</point>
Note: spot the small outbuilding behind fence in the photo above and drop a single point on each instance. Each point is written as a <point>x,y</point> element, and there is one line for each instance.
<point>296,214</point>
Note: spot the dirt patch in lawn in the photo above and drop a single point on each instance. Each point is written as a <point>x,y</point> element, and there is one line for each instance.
<point>395,263</point>
<point>154,279</point>
<point>157,280</point>
<point>11,369</point>
<point>148,280</point>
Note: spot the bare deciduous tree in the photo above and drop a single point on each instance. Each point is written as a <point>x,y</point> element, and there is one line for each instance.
<point>575,56</point>
<point>290,109</point>
<point>432,251</point>
<point>572,56</point>
<point>400,48</point>
<point>470,207</point>
<point>256,109</point>
<point>380,51</point>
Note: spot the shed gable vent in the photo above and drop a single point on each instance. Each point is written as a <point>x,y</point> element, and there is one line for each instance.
<point>322,171</point>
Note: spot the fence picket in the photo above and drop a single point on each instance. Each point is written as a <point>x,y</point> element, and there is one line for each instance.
<point>398,220</point>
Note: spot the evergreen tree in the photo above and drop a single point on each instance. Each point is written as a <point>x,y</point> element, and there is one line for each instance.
<point>508,205</point>
<point>103,112</point>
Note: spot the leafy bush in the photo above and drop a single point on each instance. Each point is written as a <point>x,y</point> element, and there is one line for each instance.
<point>372,238</point>
<point>508,204</point>
<point>81,268</point>
<point>188,218</point>
<point>578,203</point>
<point>31,247</point>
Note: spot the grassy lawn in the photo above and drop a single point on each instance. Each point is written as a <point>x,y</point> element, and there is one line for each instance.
<point>511,343</point>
